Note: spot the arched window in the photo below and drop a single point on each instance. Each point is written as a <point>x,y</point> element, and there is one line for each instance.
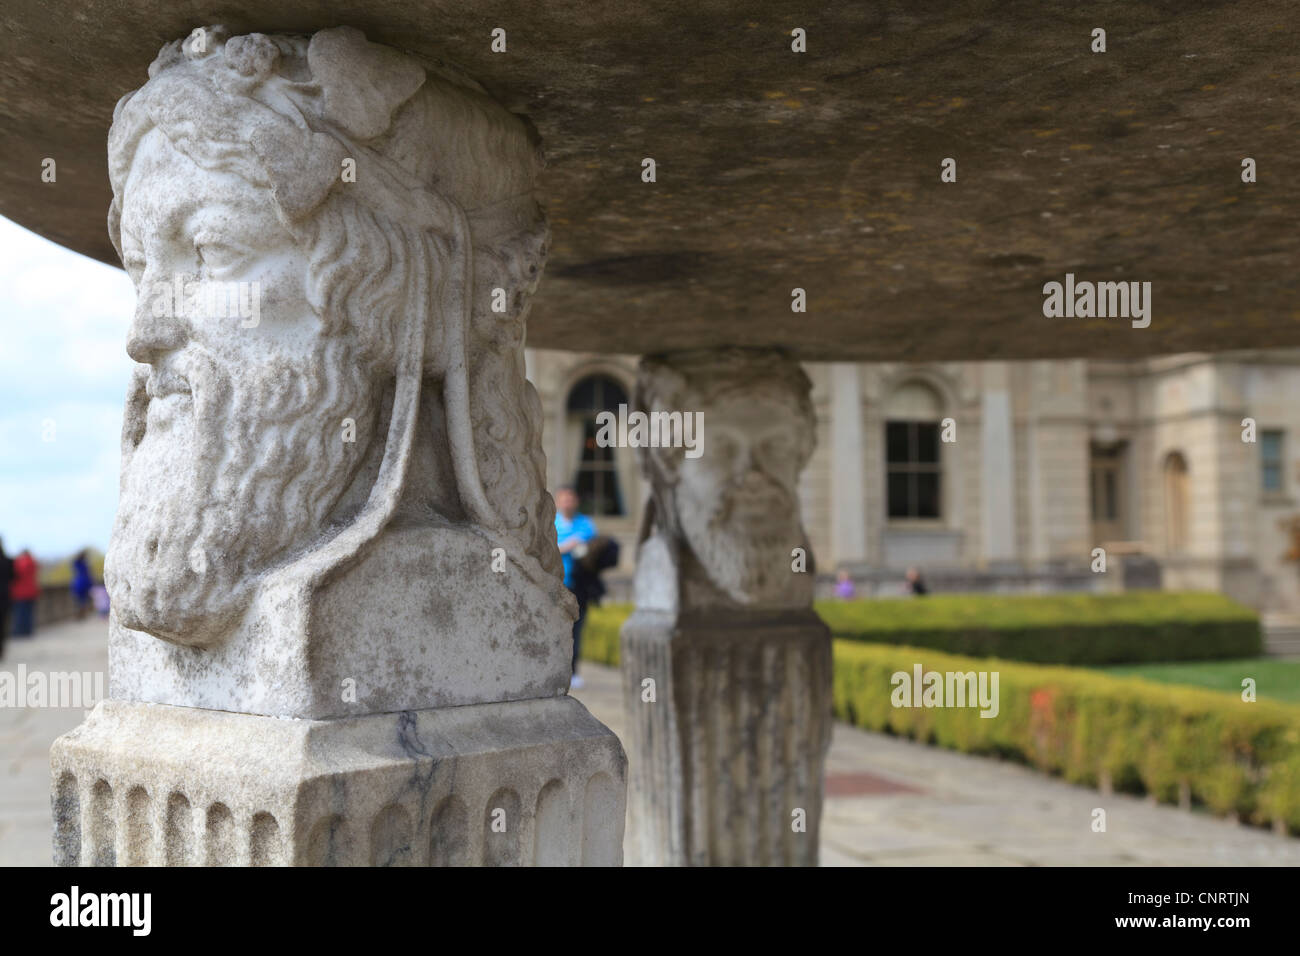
<point>600,475</point>
<point>1176,502</point>
<point>913,464</point>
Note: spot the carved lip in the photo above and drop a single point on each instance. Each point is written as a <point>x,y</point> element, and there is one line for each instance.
<point>754,503</point>
<point>161,384</point>
<point>757,493</point>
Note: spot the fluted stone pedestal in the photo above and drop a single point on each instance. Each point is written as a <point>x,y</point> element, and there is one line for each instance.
<point>726,764</point>
<point>534,782</point>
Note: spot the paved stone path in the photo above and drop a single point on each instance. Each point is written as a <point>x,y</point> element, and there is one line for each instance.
<point>890,802</point>
<point>27,732</point>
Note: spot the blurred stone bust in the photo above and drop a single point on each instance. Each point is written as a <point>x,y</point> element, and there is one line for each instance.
<point>722,528</point>
<point>366,205</point>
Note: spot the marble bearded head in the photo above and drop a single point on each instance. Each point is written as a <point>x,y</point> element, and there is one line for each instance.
<point>734,510</point>
<point>315,240</point>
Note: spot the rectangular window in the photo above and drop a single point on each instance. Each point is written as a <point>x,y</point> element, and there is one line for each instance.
<point>597,480</point>
<point>913,480</point>
<point>1106,473</point>
<point>1270,461</point>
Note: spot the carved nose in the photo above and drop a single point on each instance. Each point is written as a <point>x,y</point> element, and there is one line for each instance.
<point>755,483</point>
<point>155,329</point>
<point>744,466</point>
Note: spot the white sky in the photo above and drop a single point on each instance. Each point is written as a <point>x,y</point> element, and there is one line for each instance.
<point>63,325</point>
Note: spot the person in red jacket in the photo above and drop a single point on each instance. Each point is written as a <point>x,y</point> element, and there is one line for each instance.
<point>6,572</point>
<point>23,592</point>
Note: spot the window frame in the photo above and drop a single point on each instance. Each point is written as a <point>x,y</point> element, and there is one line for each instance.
<point>605,472</point>
<point>913,467</point>
<point>1281,490</point>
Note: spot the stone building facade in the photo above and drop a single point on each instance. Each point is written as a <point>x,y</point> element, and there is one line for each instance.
<point>1006,475</point>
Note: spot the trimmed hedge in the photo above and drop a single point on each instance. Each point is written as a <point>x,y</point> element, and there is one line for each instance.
<point>1078,629</point>
<point>1229,755</point>
<point>1226,754</point>
<point>600,633</point>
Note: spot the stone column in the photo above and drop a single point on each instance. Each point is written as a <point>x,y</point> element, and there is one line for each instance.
<point>997,465</point>
<point>332,501</point>
<point>726,668</point>
<point>848,474</point>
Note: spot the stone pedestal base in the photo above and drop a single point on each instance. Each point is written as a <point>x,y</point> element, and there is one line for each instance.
<point>726,764</point>
<point>534,782</point>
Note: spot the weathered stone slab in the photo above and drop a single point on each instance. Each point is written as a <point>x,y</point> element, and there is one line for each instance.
<point>817,170</point>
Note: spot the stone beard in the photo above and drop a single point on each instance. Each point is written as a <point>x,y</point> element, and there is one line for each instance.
<point>742,534</point>
<point>253,466</point>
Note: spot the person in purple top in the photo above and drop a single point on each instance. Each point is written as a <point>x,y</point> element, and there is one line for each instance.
<point>573,531</point>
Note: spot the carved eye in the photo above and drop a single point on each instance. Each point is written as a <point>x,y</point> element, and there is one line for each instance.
<point>777,449</point>
<point>218,258</point>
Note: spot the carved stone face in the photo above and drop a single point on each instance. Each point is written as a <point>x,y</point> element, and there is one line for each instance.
<point>233,455</point>
<point>737,504</point>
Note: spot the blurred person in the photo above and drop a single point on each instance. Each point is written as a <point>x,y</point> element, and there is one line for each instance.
<point>915,582</point>
<point>99,597</point>
<point>6,575</point>
<point>844,589</point>
<point>573,531</point>
<point>23,592</point>
<point>81,584</point>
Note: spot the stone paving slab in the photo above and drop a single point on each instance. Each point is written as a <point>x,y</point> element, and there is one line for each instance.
<point>922,806</point>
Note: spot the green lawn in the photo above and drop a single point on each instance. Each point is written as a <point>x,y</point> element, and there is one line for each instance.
<point>1274,679</point>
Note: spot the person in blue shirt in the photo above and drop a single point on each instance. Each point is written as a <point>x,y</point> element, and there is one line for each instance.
<point>573,531</point>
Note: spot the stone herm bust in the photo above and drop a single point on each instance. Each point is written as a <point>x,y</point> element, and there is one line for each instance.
<point>724,625</point>
<point>318,495</point>
<point>721,529</point>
